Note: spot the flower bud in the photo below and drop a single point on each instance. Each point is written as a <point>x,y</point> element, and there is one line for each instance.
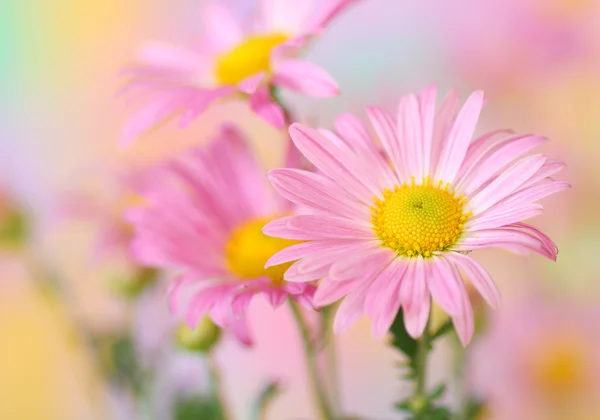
<point>201,339</point>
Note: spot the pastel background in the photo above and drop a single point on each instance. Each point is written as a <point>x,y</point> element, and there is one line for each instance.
<point>537,60</point>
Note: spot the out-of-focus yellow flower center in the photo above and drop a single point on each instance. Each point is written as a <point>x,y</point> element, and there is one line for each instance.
<point>248,249</point>
<point>249,57</point>
<point>560,369</point>
<point>417,220</point>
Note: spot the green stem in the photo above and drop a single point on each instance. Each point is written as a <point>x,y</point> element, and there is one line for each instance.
<point>319,394</point>
<point>330,356</point>
<point>215,387</point>
<point>421,362</point>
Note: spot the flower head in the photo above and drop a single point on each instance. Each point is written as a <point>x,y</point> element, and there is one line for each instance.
<point>392,229</point>
<point>233,60</point>
<point>204,215</point>
<point>546,362</point>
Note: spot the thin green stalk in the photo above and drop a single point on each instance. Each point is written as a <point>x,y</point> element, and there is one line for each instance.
<point>319,393</point>
<point>215,387</point>
<point>421,362</point>
<point>330,356</point>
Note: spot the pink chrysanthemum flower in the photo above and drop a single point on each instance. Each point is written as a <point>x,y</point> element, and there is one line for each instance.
<point>204,215</point>
<point>233,60</point>
<point>393,229</point>
<point>539,360</point>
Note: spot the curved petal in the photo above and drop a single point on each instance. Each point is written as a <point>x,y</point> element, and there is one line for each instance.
<point>415,297</point>
<point>444,283</point>
<point>222,31</point>
<point>343,168</point>
<point>317,192</point>
<point>325,15</point>
<point>478,276</point>
<point>264,107</point>
<point>455,148</point>
<point>506,183</point>
<point>305,77</point>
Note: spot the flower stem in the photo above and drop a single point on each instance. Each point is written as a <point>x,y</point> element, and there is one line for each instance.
<point>330,356</point>
<point>215,387</point>
<point>319,394</point>
<point>421,362</point>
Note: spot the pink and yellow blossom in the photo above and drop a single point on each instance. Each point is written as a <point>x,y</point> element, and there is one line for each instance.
<point>233,59</point>
<point>393,229</point>
<point>203,216</point>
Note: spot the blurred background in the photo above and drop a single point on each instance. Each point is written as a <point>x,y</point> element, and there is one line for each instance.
<point>60,164</point>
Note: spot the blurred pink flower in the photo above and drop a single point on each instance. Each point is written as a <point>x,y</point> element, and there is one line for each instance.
<point>101,202</point>
<point>539,360</point>
<point>204,215</point>
<point>392,230</point>
<point>232,60</point>
<point>507,43</point>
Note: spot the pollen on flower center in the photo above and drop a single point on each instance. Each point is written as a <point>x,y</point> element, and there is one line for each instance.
<point>249,57</point>
<point>248,249</point>
<point>417,220</point>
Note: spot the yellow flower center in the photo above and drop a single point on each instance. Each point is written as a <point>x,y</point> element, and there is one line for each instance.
<point>559,370</point>
<point>248,249</point>
<point>248,58</point>
<point>417,220</point>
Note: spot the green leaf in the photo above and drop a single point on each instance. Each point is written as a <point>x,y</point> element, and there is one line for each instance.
<point>264,399</point>
<point>402,341</point>
<point>197,407</point>
<point>437,392</point>
<point>443,330</point>
<point>475,409</point>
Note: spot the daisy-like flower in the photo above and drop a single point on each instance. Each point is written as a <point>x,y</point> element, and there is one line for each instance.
<point>204,215</point>
<point>546,362</point>
<point>392,229</point>
<point>233,60</point>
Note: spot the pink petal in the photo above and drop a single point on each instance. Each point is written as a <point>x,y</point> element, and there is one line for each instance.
<point>263,105</point>
<point>415,298</point>
<point>464,322</point>
<point>324,16</point>
<point>351,128</point>
<point>443,122</point>
<point>410,136</point>
<point>504,237</point>
<point>506,183</point>
<point>427,115</point>
<point>330,291</point>
<point>534,193</point>
<point>166,56</point>
<point>350,309</point>
<point>386,130</point>
<point>445,284</point>
<point>222,30</point>
<point>357,136</point>
<point>460,136</point>
<point>327,227</point>
<point>499,158</point>
<point>250,84</point>
<point>382,300</point>
<point>284,16</point>
<point>241,331</point>
<point>481,147</point>
<point>361,264</point>
<point>494,219</point>
<point>340,166</point>
<point>305,77</point>
<point>301,250</point>
<point>549,168</point>
<point>478,276</point>
<point>316,191</point>
<point>152,113</point>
